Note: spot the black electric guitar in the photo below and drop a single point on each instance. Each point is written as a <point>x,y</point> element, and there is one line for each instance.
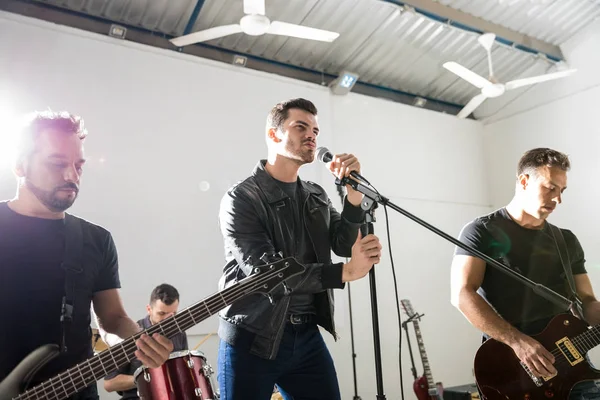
<point>264,279</point>
<point>501,375</point>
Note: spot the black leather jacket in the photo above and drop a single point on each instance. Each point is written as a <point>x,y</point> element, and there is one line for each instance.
<point>256,218</point>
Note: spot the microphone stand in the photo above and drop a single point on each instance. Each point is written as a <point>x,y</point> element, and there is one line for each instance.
<point>370,207</point>
<point>340,190</point>
<point>367,228</point>
<point>372,197</point>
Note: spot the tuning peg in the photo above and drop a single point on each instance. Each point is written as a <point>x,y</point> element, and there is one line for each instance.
<point>271,300</point>
<point>265,258</point>
<point>286,289</point>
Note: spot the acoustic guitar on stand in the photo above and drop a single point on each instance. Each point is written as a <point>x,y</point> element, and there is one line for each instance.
<point>424,386</point>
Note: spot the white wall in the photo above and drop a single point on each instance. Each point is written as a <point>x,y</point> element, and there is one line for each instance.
<point>567,121</point>
<point>162,122</point>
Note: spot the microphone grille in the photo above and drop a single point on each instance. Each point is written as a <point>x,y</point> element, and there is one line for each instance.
<point>323,154</point>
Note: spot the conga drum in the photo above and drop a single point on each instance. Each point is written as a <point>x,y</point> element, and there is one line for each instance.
<point>184,376</point>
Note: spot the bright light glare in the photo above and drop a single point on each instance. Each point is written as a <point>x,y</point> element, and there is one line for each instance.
<point>10,124</point>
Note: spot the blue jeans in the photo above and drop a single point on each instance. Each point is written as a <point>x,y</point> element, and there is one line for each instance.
<point>302,370</point>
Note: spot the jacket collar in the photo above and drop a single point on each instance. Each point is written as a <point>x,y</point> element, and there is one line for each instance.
<point>270,188</point>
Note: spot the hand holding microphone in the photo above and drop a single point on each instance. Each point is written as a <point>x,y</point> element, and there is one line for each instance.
<point>343,165</point>
<point>366,250</point>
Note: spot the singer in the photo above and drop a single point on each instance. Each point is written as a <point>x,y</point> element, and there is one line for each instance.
<point>267,341</point>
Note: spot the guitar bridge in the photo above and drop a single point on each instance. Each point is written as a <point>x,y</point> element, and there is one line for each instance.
<point>538,381</point>
<point>569,351</point>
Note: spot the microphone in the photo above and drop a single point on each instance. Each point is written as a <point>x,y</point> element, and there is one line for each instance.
<point>325,156</point>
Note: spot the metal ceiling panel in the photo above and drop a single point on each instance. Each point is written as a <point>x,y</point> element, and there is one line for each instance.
<point>553,21</point>
<point>387,45</point>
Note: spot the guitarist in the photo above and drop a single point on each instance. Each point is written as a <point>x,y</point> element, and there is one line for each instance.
<point>46,307</point>
<point>519,236</point>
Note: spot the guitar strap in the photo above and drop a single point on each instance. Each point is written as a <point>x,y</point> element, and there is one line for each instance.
<point>72,264</point>
<point>563,254</point>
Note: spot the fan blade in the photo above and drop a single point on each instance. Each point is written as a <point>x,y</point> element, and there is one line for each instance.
<point>537,79</point>
<point>254,7</point>
<point>207,34</point>
<point>468,75</point>
<point>471,106</point>
<point>302,32</point>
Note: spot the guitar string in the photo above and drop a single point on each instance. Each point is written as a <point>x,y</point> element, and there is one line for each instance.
<point>123,358</point>
<point>561,359</point>
<point>578,341</point>
<point>95,362</point>
<point>582,341</point>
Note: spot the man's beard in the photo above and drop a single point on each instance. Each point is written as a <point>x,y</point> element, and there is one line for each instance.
<point>50,198</point>
<point>301,155</point>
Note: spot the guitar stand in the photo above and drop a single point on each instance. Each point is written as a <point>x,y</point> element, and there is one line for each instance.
<point>373,197</point>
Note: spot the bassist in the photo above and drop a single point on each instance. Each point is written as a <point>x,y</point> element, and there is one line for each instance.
<point>35,233</point>
<point>519,236</point>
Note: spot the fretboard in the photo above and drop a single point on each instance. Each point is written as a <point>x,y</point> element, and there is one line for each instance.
<point>586,341</point>
<point>426,367</point>
<point>84,374</point>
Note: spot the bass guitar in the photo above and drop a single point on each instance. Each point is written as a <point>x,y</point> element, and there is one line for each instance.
<point>264,279</point>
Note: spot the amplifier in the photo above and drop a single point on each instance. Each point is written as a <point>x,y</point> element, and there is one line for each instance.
<point>462,392</point>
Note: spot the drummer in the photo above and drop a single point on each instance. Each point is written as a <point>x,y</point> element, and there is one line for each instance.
<point>164,301</point>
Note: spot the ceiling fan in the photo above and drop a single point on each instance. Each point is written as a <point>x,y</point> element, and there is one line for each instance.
<point>255,23</point>
<point>491,87</point>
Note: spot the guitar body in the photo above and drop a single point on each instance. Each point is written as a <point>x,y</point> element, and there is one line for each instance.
<point>421,389</point>
<point>500,375</point>
<point>15,382</point>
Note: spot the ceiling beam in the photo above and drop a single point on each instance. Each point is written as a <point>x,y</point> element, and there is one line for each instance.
<point>192,21</point>
<point>463,20</point>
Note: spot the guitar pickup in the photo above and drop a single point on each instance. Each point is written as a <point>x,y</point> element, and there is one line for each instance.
<point>569,351</point>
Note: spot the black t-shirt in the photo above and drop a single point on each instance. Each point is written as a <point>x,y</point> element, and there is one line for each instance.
<point>32,284</point>
<point>530,252</point>
<point>179,343</point>
<point>299,303</point>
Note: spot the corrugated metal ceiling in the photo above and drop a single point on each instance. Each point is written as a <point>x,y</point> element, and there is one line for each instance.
<point>553,21</point>
<point>385,44</point>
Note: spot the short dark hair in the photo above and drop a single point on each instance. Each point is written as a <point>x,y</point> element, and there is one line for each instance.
<point>61,122</point>
<point>165,293</point>
<point>280,112</point>
<point>542,157</point>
